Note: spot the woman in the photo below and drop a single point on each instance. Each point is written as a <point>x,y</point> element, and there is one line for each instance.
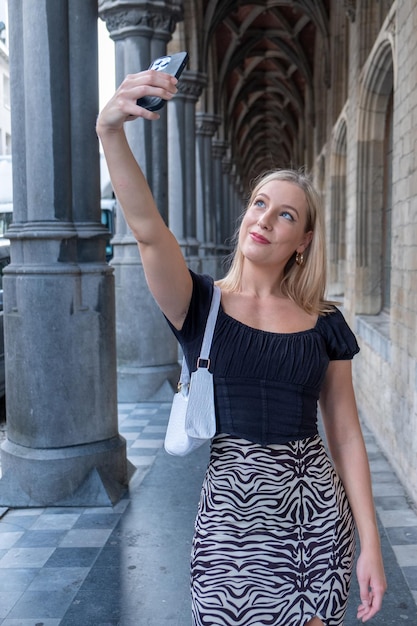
<point>274,536</point>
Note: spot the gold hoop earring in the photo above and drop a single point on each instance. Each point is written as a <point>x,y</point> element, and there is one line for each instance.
<point>299,258</point>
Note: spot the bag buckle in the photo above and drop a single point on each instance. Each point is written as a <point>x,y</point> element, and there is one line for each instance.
<point>203,362</point>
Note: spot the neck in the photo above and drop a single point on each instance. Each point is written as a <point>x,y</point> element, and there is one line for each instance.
<point>261,281</point>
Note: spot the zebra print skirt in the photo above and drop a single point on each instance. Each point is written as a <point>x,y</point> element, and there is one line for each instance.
<point>274,537</point>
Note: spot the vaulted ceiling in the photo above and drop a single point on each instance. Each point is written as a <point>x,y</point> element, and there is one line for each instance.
<point>265,61</point>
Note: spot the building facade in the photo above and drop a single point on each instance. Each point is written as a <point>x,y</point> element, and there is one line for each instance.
<point>5,124</point>
<point>366,166</point>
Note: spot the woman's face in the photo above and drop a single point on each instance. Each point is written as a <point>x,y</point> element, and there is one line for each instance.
<point>273,227</point>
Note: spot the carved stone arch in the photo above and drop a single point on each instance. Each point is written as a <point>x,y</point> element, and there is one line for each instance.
<point>376,91</point>
<point>336,226</point>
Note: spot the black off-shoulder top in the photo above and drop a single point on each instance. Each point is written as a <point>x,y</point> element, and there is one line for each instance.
<point>266,385</point>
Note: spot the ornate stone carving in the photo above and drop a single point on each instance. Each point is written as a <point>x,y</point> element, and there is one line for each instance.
<point>191,84</point>
<point>119,24</point>
<point>350,8</point>
<point>227,165</point>
<point>207,124</point>
<point>219,148</point>
<point>124,18</point>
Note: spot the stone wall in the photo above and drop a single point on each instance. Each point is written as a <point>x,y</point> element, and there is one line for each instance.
<point>382,61</point>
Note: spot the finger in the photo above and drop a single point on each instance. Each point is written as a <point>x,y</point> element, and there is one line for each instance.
<point>153,79</point>
<point>132,111</point>
<point>149,83</point>
<point>159,77</point>
<point>159,92</point>
<point>145,113</point>
<point>375,605</point>
<point>366,603</point>
<point>365,593</point>
<point>369,608</point>
<point>363,608</point>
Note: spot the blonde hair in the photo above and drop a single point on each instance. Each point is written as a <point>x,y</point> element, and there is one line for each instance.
<point>303,284</point>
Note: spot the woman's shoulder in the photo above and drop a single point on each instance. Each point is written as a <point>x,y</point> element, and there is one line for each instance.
<point>198,309</point>
<point>340,340</point>
<point>202,291</point>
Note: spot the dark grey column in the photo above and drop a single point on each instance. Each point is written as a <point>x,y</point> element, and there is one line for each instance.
<point>63,446</point>
<point>182,165</point>
<point>222,231</point>
<point>206,125</point>
<point>236,196</point>
<point>230,218</point>
<point>146,348</point>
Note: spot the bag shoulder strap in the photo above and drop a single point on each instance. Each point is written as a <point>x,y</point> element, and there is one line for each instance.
<point>211,323</point>
<point>208,336</point>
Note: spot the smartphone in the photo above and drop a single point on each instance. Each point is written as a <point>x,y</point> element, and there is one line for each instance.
<point>173,65</point>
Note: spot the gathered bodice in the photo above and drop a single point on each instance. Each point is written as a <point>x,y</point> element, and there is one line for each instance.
<point>266,384</point>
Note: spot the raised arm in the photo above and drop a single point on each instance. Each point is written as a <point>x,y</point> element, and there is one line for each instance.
<point>164,265</point>
<point>347,448</point>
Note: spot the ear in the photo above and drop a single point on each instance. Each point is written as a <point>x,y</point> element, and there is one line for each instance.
<point>305,242</point>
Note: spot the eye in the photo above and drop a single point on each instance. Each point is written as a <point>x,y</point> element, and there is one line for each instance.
<point>259,203</point>
<point>287,215</point>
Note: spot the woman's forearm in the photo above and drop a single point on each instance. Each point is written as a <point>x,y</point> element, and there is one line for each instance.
<point>130,185</point>
<point>351,463</point>
<point>347,447</point>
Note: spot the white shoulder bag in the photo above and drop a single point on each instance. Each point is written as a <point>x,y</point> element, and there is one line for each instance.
<point>192,420</point>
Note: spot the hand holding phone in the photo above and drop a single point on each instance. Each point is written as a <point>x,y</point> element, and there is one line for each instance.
<point>173,65</point>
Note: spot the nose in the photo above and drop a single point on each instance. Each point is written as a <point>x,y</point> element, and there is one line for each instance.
<point>264,221</point>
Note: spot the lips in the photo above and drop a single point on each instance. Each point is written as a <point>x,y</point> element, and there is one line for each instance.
<point>259,238</point>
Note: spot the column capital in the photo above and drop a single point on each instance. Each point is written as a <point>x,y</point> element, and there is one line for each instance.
<point>207,123</point>
<point>191,84</point>
<point>125,18</point>
<point>350,8</point>
<point>227,165</point>
<point>219,148</point>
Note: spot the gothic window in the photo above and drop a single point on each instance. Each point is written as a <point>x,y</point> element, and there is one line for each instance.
<point>374,183</point>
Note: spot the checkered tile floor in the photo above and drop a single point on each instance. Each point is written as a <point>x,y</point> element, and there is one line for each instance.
<point>110,566</point>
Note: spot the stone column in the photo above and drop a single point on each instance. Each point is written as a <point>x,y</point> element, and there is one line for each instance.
<point>239,196</point>
<point>146,348</point>
<point>182,165</point>
<point>222,229</point>
<point>227,197</point>
<point>206,125</point>
<point>63,446</point>
<point>235,199</point>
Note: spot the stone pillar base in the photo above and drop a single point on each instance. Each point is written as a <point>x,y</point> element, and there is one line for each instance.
<point>149,384</point>
<point>95,474</point>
